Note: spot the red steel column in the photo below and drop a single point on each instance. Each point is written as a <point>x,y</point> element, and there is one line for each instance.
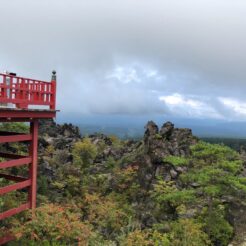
<point>53,91</point>
<point>33,166</point>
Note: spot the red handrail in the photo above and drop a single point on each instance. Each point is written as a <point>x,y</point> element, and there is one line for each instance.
<point>24,92</point>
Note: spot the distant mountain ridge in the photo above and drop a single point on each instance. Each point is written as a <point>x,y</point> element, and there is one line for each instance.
<point>221,130</point>
<point>132,126</point>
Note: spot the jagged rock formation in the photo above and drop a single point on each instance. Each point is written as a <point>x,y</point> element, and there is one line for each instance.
<point>157,145</point>
<point>59,136</point>
<point>148,153</point>
<point>50,128</point>
<point>167,141</point>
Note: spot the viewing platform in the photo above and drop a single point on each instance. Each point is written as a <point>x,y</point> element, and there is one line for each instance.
<point>24,115</point>
<point>23,100</point>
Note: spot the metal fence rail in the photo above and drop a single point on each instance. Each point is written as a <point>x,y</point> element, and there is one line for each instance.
<point>24,92</point>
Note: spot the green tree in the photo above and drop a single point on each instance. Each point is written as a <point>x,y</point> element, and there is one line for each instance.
<point>84,153</point>
<point>166,194</point>
<point>187,232</point>
<point>211,181</point>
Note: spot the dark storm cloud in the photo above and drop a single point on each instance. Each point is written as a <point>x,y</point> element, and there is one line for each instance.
<point>117,56</point>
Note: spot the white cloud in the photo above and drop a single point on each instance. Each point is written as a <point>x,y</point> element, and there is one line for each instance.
<point>238,107</point>
<point>125,75</point>
<point>187,106</point>
<point>177,99</point>
<point>151,73</point>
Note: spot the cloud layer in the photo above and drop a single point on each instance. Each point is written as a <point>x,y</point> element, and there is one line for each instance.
<point>184,58</point>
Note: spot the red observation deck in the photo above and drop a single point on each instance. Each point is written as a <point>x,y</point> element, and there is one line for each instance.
<point>23,100</point>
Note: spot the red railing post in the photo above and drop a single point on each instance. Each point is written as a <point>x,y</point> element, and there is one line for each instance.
<point>4,87</point>
<point>33,152</point>
<point>53,91</point>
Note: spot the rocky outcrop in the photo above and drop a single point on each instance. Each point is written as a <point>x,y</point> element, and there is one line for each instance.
<point>52,129</point>
<point>159,144</point>
<point>148,154</point>
<point>59,136</point>
<point>167,141</point>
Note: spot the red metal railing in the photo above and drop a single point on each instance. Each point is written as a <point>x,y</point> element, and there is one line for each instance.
<point>20,183</point>
<point>24,92</point>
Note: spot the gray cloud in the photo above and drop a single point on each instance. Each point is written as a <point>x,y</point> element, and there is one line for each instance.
<point>192,47</point>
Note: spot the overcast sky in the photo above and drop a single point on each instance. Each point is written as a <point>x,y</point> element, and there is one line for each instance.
<point>185,58</point>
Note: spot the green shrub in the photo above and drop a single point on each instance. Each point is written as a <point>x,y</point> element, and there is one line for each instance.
<point>53,223</point>
<point>176,160</point>
<point>84,153</point>
<point>218,229</point>
<point>187,232</point>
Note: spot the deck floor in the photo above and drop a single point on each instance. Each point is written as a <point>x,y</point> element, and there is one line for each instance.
<point>12,114</point>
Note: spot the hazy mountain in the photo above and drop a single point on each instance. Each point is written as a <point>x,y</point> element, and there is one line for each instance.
<point>132,126</point>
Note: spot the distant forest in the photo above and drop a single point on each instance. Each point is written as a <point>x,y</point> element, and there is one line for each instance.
<point>234,143</point>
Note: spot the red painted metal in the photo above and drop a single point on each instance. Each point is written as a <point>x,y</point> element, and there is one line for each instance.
<point>15,115</point>
<point>14,211</point>
<point>15,138</point>
<point>33,152</point>
<point>15,163</point>
<point>17,186</point>
<point>24,92</point>
<point>6,239</point>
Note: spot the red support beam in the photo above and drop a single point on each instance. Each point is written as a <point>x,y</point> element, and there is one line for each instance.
<point>6,239</point>
<point>15,163</point>
<point>15,138</point>
<point>33,152</point>
<point>13,187</point>
<point>26,115</point>
<point>14,211</point>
